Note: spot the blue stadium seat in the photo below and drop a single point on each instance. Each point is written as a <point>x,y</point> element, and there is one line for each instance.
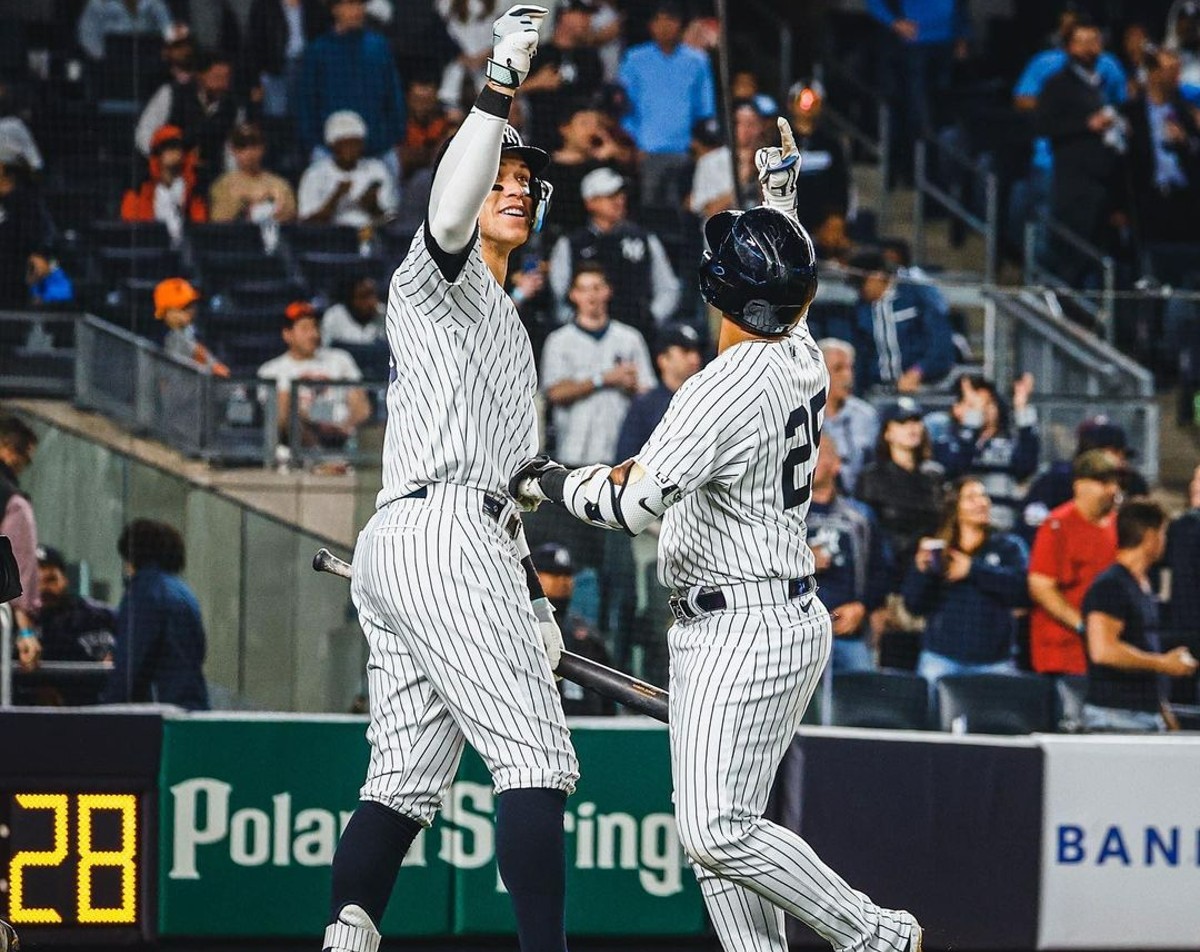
<point>996,703</point>
<point>894,700</point>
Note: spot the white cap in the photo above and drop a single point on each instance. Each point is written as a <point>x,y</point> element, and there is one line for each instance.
<point>344,124</point>
<point>600,183</point>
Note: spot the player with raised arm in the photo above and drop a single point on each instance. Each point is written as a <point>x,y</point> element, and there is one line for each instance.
<point>457,652</point>
<point>729,468</point>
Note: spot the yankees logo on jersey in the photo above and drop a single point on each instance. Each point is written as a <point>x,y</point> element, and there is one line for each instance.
<point>740,439</point>
<point>460,409</point>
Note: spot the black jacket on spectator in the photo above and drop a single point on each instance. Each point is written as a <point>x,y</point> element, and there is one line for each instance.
<point>1163,215</point>
<point>824,187</point>
<point>908,504</point>
<point>267,35</point>
<point>624,253</point>
<point>77,629</point>
<point>205,130</point>
<point>568,213</point>
<point>23,227</point>
<point>1084,167</point>
<point>580,74</point>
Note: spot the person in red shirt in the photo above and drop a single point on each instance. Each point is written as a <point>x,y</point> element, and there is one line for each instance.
<point>1076,543</point>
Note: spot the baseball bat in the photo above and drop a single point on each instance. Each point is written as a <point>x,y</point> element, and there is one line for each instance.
<point>625,689</point>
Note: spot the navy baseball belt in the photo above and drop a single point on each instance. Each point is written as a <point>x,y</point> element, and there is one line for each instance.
<point>703,599</point>
<point>501,511</point>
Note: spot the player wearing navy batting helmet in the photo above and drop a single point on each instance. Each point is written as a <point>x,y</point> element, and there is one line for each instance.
<point>730,470</point>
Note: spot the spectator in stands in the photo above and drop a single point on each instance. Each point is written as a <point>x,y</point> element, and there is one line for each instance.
<point>469,23</point>
<point>1126,664</point>
<point>823,192</point>
<point>203,109</point>
<point>853,565</point>
<point>425,129</point>
<point>100,18</point>
<point>677,356</point>
<point>1135,46</point>
<point>853,422</point>
<point>73,628</point>
<point>169,194</point>
<point>965,581</point>
<point>345,188</point>
<point>903,484</point>
<point>24,229</point>
<point>1055,486</point>
<point>556,571</point>
<point>48,282</point>
<point>1076,543</point>
<point>669,87</point>
<point>926,36</point>
<point>566,69</point>
<point>277,34</point>
<point>16,141</point>
<point>745,85</point>
<point>1164,156</point>
<point>179,54</point>
<point>160,644</point>
<point>902,329</point>
<point>750,133</point>
<point>249,192</point>
<point>591,369</point>
<point>350,69</point>
<point>18,443</point>
<point>587,144</point>
<point>645,285</point>
<point>1183,562</point>
<point>329,416</point>
<point>175,303</point>
<point>1183,37</point>
<point>358,316</point>
<point>1088,138</point>
<point>983,437</point>
<point>713,187</point>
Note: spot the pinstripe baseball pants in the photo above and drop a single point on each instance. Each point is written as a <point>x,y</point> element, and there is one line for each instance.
<point>740,682</point>
<point>455,654</point>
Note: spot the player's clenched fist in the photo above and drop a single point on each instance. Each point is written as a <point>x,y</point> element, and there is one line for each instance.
<point>514,45</point>
<point>779,171</point>
<point>524,487</point>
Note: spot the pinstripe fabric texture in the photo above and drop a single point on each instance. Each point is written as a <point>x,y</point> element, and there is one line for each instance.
<point>455,654</point>
<point>738,437</point>
<point>741,439</point>
<point>461,407</point>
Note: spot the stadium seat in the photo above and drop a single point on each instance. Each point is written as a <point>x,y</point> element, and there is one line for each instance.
<point>1070,691</point>
<point>996,704</point>
<point>372,359</point>
<point>231,271</point>
<point>895,700</point>
<point>225,239</point>
<point>245,353</point>
<point>303,239</point>
<point>328,271</point>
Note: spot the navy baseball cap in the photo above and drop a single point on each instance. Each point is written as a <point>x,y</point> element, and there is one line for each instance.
<point>46,555</point>
<point>677,335</point>
<point>1100,433</point>
<point>901,411</point>
<point>553,559</point>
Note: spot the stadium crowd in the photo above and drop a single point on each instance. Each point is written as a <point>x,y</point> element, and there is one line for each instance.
<point>253,192</point>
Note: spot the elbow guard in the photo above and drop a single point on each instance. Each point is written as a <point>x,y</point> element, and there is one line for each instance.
<point>591,494</point>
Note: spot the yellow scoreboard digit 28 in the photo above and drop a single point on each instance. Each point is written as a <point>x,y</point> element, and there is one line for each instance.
<point>72,860</point>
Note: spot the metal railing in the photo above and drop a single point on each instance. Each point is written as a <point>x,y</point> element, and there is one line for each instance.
<point>878,146</point>
<point>1101,308</point>
<point>966,177</point>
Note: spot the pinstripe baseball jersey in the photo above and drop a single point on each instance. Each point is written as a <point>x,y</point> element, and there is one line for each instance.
<point>740,439</point>
<point>460,409</point>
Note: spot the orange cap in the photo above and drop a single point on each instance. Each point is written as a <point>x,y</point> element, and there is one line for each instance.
<point>173,294</point>
<point>298,309</point>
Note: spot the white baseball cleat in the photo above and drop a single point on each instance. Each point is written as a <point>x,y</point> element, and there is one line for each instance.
<point>916,935</point>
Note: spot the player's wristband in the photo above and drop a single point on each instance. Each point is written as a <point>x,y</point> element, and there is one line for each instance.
<point>493,102</point>
<point>26,633</point>
<point>551,483</point>
<point>598,381</point>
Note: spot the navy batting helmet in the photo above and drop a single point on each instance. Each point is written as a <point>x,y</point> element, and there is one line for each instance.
<point>762,270</point>
<point>537,160</point>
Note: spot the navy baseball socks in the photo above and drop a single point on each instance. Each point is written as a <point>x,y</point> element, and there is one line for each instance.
<point>368,857</point>
<point>532,862</point>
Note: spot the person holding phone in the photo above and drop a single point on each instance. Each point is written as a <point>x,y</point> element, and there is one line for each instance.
<point>966,580</point>
<point>346,188</point>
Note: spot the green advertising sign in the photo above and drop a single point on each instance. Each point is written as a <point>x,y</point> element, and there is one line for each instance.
<point>251,809</point>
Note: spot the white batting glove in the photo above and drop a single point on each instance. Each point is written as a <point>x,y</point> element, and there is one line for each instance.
<point>779,171</point>
<point>514,45</point>
<point>552,637</point>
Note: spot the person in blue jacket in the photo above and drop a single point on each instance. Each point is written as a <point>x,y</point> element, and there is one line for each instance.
<point>160,643</point>
<point>965,581</point>
<point>350,68</point>
<point>902,334</point>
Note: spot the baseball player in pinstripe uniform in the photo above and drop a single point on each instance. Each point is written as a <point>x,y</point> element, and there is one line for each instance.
<point>457,652</point>
<point>730,468</point>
